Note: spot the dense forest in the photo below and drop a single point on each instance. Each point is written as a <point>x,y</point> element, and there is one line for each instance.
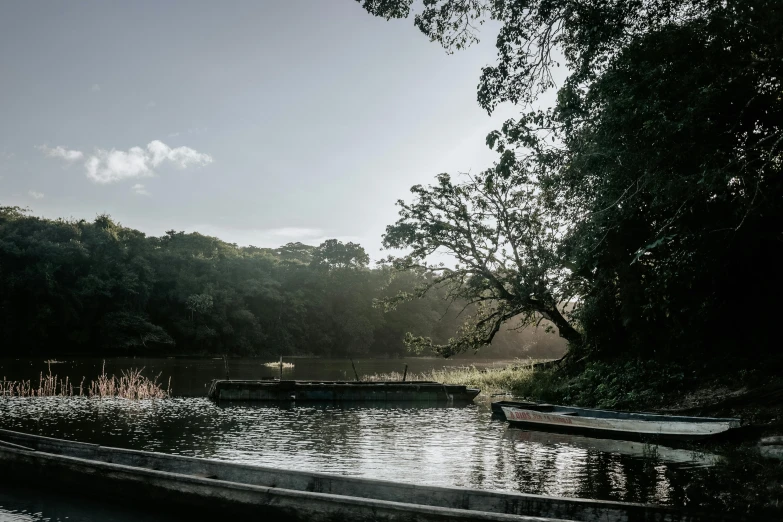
<point>650,193</point>
<point>97,287</point>
<point>638,215</point>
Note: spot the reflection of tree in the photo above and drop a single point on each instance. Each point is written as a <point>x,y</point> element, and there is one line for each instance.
<point>747,484</point>
<point>554,464</point>
<point>535,463</point>
<point>645,481</point>
<point>595,477</point>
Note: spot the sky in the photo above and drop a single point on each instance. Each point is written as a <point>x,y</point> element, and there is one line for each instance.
<point>256,122</point>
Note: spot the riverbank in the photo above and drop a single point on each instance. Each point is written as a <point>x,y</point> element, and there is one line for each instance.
<point>628,385</point>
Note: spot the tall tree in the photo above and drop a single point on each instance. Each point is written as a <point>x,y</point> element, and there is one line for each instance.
<point>661,159</point>
<point>503,243</point>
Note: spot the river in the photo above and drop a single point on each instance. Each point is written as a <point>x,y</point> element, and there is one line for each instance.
<point>449,446</point>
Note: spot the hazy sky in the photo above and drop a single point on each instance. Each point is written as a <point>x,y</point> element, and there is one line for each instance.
<point>257,122</point>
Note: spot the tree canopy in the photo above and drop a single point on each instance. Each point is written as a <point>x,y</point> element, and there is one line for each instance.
<point>96,287</point>
<point>504,246</point>
<point>655,180</point>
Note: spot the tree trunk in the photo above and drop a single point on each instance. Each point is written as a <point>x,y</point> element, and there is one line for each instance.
<point>564,328</point>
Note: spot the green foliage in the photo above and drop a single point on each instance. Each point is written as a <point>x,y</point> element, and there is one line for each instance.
<point>625,384</point>
<point>503,243</point>
<point>126,330</point>
<point>334,255</point>
<point>98,287</point>
<point>659,169</point>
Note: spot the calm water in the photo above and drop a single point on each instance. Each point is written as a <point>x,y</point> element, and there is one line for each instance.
<point>426,445</point>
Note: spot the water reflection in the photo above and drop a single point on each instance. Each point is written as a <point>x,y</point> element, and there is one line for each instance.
<point>419,444</point>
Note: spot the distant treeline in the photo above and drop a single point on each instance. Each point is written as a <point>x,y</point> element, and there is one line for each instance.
<point>97,287</point>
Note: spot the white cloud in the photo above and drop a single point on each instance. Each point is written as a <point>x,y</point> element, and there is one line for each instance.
<point>182,157</point>
<point>108,166</point>
<point>61,152</point>
<point>35,195</point>
<point>115,165</point>
<point>95,88</point>
<point>139,189</point>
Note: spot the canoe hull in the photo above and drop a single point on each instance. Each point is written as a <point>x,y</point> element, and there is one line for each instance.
<point>657,427</point>
<point>208,486</point>
<point>197,498</point>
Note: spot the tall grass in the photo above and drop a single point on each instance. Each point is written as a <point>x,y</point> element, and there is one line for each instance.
<point>624,384</point>
<point>511,380</point>
<point>131,384</point>
<point>275,364</point>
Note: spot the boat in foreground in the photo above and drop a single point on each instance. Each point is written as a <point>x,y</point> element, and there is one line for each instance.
<point>198,488</point>
<point>340,391</point>
<point>618,424</point>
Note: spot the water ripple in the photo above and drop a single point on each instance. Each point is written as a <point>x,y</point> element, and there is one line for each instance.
<point>436,446</point>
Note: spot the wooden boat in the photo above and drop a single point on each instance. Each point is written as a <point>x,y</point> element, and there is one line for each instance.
<point>205,488</point>
<point>615,424</point>
<point>497,406</point>
<point>340,391</point>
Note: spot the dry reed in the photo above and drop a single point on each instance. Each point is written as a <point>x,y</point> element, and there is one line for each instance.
<point>491,381</point>
<point>274,364</point>
<point>130,385</point>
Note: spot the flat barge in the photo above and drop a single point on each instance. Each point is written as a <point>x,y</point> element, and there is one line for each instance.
<point>341,391</point>
<point>201,489</point>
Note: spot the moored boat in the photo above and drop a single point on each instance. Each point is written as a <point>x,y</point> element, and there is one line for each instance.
<point>616,424</point>
<point>340,391</point>
<point>191,485</point>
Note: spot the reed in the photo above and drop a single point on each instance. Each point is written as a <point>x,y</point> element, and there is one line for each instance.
<point>491,381</point>
<point>276,364</point>
<point>131,384</point>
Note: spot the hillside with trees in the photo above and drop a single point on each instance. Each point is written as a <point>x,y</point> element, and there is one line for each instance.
<point>96,287</point>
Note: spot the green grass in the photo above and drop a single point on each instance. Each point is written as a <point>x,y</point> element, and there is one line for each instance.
<point>620,385</point>
<point>512,380</point>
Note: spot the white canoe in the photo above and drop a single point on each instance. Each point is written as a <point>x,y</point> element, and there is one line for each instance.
<point>617,424</point>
